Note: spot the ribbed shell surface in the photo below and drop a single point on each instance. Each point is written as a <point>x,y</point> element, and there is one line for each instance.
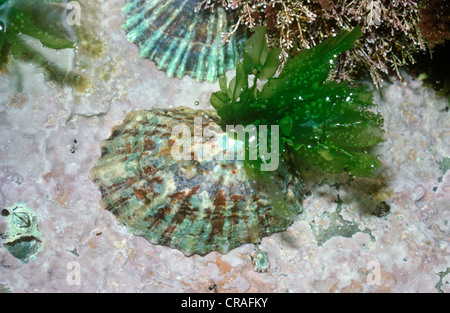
<point>181,40</point>
<point>196,206</point>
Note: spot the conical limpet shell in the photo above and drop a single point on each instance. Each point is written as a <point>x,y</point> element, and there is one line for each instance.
<point>196,206</point>
<point>181,40</point>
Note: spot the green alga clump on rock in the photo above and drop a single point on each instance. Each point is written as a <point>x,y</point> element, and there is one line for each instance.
<point>321,122</point>
<point>16,18</point>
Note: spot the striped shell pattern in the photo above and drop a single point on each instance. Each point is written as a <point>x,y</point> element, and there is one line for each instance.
<point>180,39</point>
<point>196,206</point>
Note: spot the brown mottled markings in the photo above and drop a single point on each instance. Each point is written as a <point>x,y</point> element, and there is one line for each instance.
<point>163,212</point>
<point>113,188</point>
<point>149,170</point>
<point>127,182</point>
<point>184,211</point>
<point>149,144</point>
<point>165,152</point>
<point>115,133</point>
<point>237,198</point>
<point>140,193</point>
<point>261,220</point>
<point>177,196</point>
<point>127,149</point>
<point>269,218</point>
<point>131,131</point>
<point>165,135</point>
<point>104,151</point>
<point>193,191</point>
<point>160,216</point>
<point>219,200</point>
<point>119,203</point>
<point>157,180</point>
<point>234,216</point>
<point>153,133</point>
<point>176,118</point>
<point>193,215</point>
<point>233,168</point>
<point>229,216</point>
<point>217,218</point>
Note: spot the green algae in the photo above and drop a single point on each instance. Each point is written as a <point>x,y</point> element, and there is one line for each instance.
<point>17,18</point>
<point>444,165</point>
<point>321,122</point>
<point>441,275</point>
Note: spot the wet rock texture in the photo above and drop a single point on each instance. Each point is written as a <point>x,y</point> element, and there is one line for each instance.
<point>354,235</point>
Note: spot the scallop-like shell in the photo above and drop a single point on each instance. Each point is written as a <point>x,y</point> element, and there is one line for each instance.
<point>181,40</point>
<point>196,206</point>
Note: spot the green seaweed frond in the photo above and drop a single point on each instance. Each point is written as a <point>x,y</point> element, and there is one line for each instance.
<point>16,19</point>
<point>323,123</point>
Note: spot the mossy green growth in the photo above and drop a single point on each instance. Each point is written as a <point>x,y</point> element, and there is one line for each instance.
<point>16,18</point>
<point>321,122</point>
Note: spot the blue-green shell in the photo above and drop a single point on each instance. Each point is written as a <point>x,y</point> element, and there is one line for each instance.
<point>180,39</point>
<point>196,206</point>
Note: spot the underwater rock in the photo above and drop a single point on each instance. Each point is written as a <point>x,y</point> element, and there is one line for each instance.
<point>181,40</point>
<point>196,206</point>
<point>23,239</point>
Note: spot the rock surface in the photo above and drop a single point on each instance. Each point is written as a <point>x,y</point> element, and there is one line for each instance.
<point>84,249</point>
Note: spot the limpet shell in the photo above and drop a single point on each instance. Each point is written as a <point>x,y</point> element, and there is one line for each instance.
<point>181,40</point>
<point>196,206</point>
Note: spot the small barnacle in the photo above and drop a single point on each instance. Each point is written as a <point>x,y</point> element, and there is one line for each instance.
<point>23,239</point>
<point>213,287</point>
<point>21,219</point>
<point>260,261</point>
